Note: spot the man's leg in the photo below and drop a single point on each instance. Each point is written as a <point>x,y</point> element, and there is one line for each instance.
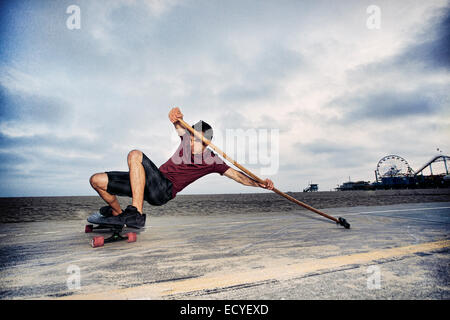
<point>137,179</point>
<point>99,182</point>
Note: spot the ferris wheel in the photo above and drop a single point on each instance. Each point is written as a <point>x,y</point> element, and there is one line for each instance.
<point>393,166</point>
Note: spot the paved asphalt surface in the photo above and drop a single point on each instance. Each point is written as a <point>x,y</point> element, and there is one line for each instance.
<point>390,252</point>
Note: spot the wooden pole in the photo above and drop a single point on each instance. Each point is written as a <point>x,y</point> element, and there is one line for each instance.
<point>253,176</point>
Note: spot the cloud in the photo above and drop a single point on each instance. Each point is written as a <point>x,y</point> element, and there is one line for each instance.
<point>411,83</point>
<point>263,78</point>
<point>32,107</point>
<point>335,153</point>
<point>324,146</point>
<point>387,105</point>
<point>426,52</point>
<point>432,46</point>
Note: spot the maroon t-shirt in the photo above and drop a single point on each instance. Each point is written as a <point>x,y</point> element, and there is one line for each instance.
<point>183,167</point>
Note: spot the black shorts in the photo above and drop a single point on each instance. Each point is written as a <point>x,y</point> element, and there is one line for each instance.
<point>158,189</point>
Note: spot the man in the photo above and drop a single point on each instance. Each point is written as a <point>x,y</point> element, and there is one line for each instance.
<point>145,181</point>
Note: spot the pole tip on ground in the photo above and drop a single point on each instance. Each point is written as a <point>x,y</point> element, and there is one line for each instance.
<point>343,223</point>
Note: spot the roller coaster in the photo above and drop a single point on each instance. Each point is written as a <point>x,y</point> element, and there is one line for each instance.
<point>436,159</point>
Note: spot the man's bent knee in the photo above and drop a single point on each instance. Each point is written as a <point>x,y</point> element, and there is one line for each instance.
<point>99,181</point>
<point>135,155</point>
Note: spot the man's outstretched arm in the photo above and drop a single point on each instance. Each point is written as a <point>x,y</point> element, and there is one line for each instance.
<point>174,115</point>
<point>246,180</point>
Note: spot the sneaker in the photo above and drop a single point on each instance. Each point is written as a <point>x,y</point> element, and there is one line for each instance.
<point>97,218</point>
<point>132,217</point>
<point>106,211</point>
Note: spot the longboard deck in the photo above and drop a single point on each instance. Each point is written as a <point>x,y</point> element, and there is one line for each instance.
<point>103,223</point>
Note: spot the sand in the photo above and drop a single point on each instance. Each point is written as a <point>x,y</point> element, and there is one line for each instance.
<point>33,209</point>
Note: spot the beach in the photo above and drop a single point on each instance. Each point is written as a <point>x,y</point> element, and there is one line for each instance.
<point>32,209</point>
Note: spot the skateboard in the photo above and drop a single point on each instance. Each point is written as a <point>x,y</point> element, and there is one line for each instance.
<point>115,229</point>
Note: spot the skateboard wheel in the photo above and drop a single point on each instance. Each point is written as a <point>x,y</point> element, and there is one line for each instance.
<point>88,228</point>
<point>97,242</point>
<point>131,237</point>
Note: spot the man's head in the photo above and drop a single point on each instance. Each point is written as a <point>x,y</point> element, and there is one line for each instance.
<point>196,144</point>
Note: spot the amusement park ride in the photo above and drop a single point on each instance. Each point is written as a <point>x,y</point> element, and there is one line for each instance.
<point>392,166</point>
<point>394,172</point>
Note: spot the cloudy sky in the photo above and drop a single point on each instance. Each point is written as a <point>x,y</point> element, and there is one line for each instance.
<point>341,94</point>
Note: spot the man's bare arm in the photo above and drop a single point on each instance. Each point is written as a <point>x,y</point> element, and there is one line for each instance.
<point>246,180</point>
<point>174,115</point>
